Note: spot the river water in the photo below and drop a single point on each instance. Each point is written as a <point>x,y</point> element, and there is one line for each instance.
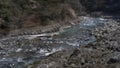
<point>21,51</point>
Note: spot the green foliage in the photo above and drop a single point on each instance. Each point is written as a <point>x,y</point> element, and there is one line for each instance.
<point>50,2</point>
<point>11,11</point>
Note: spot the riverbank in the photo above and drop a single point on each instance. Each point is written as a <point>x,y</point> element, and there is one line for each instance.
<point>93,42</point>
<point>103,53</point>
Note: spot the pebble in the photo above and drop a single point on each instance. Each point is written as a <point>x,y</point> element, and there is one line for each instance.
<point>19,50</point>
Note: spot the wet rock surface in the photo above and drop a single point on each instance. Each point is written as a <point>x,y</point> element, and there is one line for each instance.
<point>103,53</point>
<point>94,42</point>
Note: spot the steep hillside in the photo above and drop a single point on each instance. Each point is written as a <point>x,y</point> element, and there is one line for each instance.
<point>17,14</point>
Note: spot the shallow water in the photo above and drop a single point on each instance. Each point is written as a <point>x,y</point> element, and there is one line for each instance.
<point>21,51</point>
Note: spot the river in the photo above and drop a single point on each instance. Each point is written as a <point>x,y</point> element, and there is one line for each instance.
<point>21,51</point>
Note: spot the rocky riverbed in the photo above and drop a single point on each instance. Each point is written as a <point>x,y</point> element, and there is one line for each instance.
<point>91,43</point>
